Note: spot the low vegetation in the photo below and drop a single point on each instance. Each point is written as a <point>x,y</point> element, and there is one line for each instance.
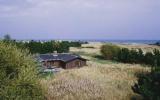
<point>157,43</point>
<point>149,83</point>
<point>94,82</point>
<point>145,47</point>
<point>46,47</point>
<point>110,51</point>
<point>18,75</point>
<point>105,78</point>
<point>113,52</point>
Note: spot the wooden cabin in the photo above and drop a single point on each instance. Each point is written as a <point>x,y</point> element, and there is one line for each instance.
<point>61,60</point>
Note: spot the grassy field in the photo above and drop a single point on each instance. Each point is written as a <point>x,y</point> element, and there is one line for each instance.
<point>144,47</point>
<point>100,80</point>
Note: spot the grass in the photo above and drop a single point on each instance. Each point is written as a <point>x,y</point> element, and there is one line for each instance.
<point>100,80</point>
<point>95,81</point>
<point>47,75</point>
<point>144,47</point>
<point>101,61</point>
<point>94,57</point>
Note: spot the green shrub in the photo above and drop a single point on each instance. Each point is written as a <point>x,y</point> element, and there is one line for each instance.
<point>149,85</point>
<point>130,56</point>
<point>149,58</point>
<point>133,56</point>
<point>140,56</point>
<point>47,47</point>
<point>110,51</point>
<point>156,57</point>
<point>123,55</point>
<point>157,43</point>
<point>18,75</point>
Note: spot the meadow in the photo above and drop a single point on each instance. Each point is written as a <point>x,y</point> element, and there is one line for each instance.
<point>100,79</point>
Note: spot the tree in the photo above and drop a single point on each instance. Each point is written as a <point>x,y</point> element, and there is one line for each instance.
<point>149,85</point>
<point>156,57</point>
<point>133,55</point>
<point>149,58</point>
<point>123,55</point>
<point>7,37</point>
<point>140,56</point>
<point>110,51</point>
<point>18,74</point>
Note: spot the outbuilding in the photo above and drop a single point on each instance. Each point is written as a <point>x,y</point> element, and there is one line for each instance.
<point>61,60</point>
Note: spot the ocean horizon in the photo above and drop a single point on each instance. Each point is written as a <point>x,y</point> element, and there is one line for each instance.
<point>100,40</point>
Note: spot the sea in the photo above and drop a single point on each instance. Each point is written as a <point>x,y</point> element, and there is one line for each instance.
<point>127,41</point>
<point>121,41</point>
<point>103,41</point>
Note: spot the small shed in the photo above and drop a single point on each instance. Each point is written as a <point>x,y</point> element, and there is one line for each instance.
<point>61,60</point>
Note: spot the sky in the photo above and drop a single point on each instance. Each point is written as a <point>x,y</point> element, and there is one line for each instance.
<point>80,19</point>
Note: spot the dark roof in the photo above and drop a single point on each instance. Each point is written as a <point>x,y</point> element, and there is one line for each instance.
<point>65,57</point>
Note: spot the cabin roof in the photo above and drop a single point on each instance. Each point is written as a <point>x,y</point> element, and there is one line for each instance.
<point>65,57</point>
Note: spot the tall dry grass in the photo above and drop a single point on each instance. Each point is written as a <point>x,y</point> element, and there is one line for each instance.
<point>97,45</point>
<point>94,82</point>
<point>144,47</point>
<point>97,81</point>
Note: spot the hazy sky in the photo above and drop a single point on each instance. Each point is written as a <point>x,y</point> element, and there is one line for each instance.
<point>80,19</point>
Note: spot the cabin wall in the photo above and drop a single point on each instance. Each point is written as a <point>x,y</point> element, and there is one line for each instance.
<point>53,64</point>
<point>75,63</point>
<point>59,64</point>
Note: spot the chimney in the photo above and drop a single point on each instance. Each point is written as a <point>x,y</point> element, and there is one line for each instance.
<point>55,53</point>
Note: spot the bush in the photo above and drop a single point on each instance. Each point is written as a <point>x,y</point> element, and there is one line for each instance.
<point>110,51</point>
<point>149,58</point>
<point>149,85</point>
<point>130,56</point>
<point>47,47</point>
<point>156,57</point>
<point>133,55</point>
<point>140,56</point>
<point>123,55</point>
<point>157,43</point>
<point>18,74</point>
